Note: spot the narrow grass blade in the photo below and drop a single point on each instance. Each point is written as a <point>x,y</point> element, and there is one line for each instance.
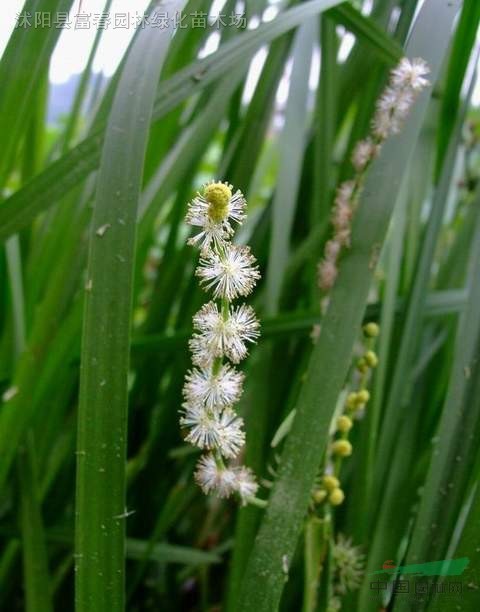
<point>468,547</point>
<point>451,464</point>
<point>35,560</point>
<point>324,123</point>
<point>81,91</point>
<point>241,167</point>
<point>101,446</point>
<point>459,58</point>
<point>401,388</point>
<point>292,146</point>
<point>367,31</point>
<point>28,46</point>
<point>276,540</point>
<point>34,552</point>
<point>168,553</point>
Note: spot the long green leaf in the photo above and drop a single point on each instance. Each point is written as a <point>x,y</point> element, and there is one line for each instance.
<point>451,465</point>
<point>23,66</point>
<point>368,31</point>
<point>275,543</point>
<point>35,559</point>
<point>292,146</point>
<point>168,553</point>
<point>401,385</point>
<point>459,58</point>
<point>101,446</point>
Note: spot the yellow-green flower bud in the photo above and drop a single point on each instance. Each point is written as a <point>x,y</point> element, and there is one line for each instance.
<point>330,482</point>
<point>344,423</point>
<point>342,448</point>
<point>362,365</point>
<point>336,497</point>
<point>352,400</point>
<point>371,330</point>
<point>319,496</point>
<point>362,397</point>
<point>218,195</point>
<point>371,359</point>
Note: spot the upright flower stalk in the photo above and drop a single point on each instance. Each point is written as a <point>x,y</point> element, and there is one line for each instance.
<point>406,81</point>
<point>220,341</point>
<point>346,561</point>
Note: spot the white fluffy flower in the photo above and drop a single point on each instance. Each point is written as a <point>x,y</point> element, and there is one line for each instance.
<point>345,193</point>
<point>208,430</point>
<point>411,73</point>
<point>223,335</point>
<point>332,250</point>
<point>327,274</point>
<point>230,272</point>
<point>215,391</point>
<point>364,151</point>
<point>215,479</point>
<point>242,327</point>
<point>211,232</point>
<point>407,79</point>
<point>392,108</point>
<point>231,437</point>
<point>246,485</point>
<point>215,226</point>
<point>203,352</point>
<point>203,426</point>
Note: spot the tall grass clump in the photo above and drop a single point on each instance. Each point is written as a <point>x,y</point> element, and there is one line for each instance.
<point>205,409</point>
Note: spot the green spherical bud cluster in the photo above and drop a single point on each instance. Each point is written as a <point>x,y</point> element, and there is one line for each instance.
<point>371,330</point>
<point>319,496</point>
<point>344,423</point>
<point>362,365</point>
<point>218,195</point>
<point>351,400</point>
<point>362,397</point>
<point>356,401</point>
<point>342,448</point>
<point>336,497</point>
<point>330,482</point>
<point>371,359</point>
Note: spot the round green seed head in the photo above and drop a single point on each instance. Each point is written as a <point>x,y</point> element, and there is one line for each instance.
<point>371,359</point>
<point>344,423</point>
<point>342,448</point>
<point>352,400</point>
<point>363,396</point>
<point>330,482</point>
<point>218,195</point>
<point>319,496</point>
<point>336,497</point>
<point>362,365</point>
<point>371,330</point>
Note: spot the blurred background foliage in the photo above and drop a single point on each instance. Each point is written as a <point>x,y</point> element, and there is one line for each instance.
<point>274,108</point>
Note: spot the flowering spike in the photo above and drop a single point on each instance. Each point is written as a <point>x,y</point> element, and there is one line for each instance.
<point>393,106</point>
<point>221,331</point>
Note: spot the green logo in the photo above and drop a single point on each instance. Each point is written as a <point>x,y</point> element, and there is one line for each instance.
<point>446,567</point>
